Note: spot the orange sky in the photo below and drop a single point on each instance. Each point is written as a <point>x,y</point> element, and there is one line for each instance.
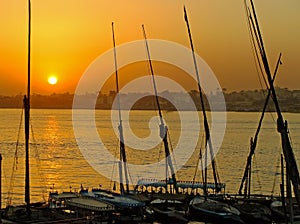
<point>67,35</point>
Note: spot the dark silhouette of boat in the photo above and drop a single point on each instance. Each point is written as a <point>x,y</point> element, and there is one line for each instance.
<point>167,211</point>
<point>281,213</point>
<point>253,212</point>
<point>126,209</point>
<point>292,173</point>
<point>203,208</point>
<point>30,212</point>
<point>212,211</point>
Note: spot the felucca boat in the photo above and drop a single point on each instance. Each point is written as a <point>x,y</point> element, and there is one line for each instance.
<point>166,210</point>
<point>126,208</point>
<point>55,210</point>
<point>26,213</point>
<point>203,208</point>
<point>256,210</point>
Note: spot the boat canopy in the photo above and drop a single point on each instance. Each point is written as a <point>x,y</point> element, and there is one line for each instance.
<point>115,199</point>
<point>180,184</point>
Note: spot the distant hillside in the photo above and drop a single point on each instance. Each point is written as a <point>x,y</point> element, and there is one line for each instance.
<point>250,100</point>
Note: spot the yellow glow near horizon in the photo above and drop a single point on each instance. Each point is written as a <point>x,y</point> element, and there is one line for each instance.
<point>52,80</point>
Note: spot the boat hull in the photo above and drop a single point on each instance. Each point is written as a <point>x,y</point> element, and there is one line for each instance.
<point>166,211</point>
<point>254,212</point>
<point>213,212</point>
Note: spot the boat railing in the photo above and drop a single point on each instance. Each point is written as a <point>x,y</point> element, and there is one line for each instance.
<point>182,184</point>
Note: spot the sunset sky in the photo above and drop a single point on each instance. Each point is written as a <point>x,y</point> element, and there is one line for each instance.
<point>67,35</point>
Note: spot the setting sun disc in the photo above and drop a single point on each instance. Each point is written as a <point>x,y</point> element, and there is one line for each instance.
<point>52,80</point>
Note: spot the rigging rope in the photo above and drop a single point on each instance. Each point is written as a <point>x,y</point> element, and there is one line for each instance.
<point>161,146</point>
<point>158,159</point>
<point>113,169</point>
<point>40,173</point>
<point>130,177</point>
<point>198,161</point>
<point>275,175</point>
<point>257,173</point>
<point>257,63</point>
<point>171,146</point>
<point>254,45</point>
<point>15,164</point>
<point>257,49</point>
<point>289,134</point>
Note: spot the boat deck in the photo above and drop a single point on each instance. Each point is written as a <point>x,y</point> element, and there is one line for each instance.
<point>91,204</point>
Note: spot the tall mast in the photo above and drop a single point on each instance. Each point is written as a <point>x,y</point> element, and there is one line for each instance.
<point>247,173</point>
<point>208,141</point>
<point>281,124</point>
<point>123,159</point>
<point>27,119</point>
<point>163,127</point>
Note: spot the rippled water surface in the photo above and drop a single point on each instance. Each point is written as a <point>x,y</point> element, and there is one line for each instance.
<point>56,159</point>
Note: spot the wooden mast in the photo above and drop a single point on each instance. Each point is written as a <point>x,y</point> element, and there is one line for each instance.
<point>247,173</point>
<point>281,124</point>
<point>27,118</point>
<point>208,142</point>
<point>163,127</point>
<point>123,159</point>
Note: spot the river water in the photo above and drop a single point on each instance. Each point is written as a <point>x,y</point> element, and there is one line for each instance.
<point>57,161</point>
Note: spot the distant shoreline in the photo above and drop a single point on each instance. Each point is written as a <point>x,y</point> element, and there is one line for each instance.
<point>241,111</point>
<point>242,101</point>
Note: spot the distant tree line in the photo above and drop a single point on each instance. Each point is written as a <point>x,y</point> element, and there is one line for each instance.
<point>246,100</point>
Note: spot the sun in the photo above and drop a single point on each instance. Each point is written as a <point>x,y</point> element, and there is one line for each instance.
<point>52,80</point>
